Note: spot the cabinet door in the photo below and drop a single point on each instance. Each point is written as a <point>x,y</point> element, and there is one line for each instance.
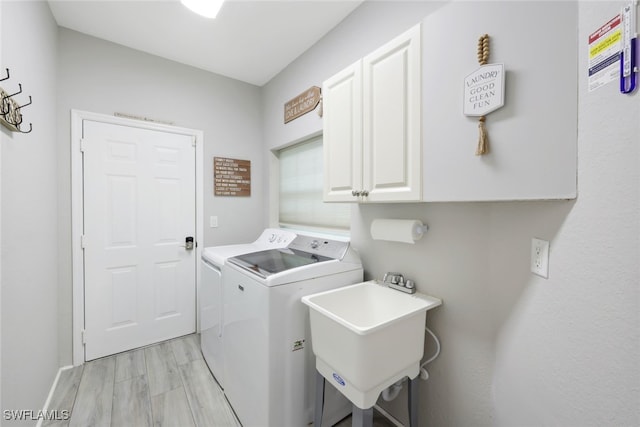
<point>392,145</point>
<point>342,144</point>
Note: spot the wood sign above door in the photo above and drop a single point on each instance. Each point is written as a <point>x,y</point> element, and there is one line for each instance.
<point>302,104</point>
<point>231,177</point>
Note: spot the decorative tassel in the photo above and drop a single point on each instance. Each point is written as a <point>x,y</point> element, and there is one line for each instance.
<point>483,141</point>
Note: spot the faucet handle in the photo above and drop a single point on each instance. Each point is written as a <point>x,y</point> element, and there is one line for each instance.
<point>392,277</point>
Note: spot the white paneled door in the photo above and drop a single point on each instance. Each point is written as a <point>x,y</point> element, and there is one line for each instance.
<point>139,208</point>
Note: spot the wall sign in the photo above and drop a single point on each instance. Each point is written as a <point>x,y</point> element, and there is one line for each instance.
<point>231,177</point>
<point>302,104</point>
<point>484,90</point>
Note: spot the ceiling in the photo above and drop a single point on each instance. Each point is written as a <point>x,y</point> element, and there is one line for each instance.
<point>250,40</point>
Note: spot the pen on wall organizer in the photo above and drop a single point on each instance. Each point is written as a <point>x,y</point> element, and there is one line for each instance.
<point>629,54</point>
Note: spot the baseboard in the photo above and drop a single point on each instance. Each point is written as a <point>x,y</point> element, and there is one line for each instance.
<point>51,391</point>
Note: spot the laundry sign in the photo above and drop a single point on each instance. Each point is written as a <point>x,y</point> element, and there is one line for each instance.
<point>231,177</point>
<point>302,104</point>
<point>484,90</point>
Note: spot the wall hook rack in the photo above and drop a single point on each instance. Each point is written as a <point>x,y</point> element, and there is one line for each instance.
<point>10,110</point>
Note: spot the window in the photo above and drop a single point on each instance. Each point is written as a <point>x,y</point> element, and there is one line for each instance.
<point>301,185</point>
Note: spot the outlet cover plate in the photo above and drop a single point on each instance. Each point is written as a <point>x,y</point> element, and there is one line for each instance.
<point>540,257</point>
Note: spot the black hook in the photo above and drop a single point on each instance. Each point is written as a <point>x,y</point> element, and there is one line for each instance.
<point>17,93</point>
<point>24,105</point>
<point>6,78</point>
<point>28,131</point>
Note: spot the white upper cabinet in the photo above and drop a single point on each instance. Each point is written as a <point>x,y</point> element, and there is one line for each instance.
<point>342,139</point>
<point>394,128</point>
<point>391,120</point>
<point>372,131</point>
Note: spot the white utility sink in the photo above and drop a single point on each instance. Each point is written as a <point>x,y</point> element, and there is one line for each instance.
<point>367,336</point>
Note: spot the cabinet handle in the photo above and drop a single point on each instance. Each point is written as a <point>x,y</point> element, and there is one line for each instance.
<point>355,193</point>
<point>364,193</point>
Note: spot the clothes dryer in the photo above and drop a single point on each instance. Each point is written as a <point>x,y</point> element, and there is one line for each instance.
<point>211,293</point>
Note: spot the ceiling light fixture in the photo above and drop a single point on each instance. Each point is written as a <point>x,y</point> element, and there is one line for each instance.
<point>206,8</point>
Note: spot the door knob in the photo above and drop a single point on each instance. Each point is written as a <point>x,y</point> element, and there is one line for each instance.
<point>188,243</point>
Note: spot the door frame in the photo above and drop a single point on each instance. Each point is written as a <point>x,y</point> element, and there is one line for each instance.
<point>77,210</point>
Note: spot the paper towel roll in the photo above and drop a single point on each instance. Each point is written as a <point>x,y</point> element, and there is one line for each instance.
<point>397,230</point>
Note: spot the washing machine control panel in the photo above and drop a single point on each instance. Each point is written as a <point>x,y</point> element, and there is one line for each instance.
<point>276,238</point>
<point>326,247</point>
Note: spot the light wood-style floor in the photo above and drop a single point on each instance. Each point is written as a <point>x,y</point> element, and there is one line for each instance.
<point>167,384</point>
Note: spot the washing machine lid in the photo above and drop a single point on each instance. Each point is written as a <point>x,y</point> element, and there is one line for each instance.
<point>217,255</point>
<point>270,238</point>
<point>274,261</point>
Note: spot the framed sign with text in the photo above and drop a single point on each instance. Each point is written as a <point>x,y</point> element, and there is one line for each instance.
<point>231,177</point>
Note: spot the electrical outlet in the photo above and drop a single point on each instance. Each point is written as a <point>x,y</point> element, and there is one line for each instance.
<point>540,257</point>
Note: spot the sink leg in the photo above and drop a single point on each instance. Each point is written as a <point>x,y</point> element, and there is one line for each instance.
<point>362,417</point>
<point>317,413</point>
<point>413,402</point>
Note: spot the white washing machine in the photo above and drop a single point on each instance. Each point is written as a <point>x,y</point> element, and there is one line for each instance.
<point>211,292</point>
<point>269,363</point>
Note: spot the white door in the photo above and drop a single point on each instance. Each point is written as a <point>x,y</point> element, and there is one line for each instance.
<point>139,206</point>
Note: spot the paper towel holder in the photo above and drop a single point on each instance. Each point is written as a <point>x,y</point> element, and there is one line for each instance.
<point>422,229</point>
<point>388,229</point>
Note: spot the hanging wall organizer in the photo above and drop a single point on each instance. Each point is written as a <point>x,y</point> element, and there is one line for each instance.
<point>11,111</point>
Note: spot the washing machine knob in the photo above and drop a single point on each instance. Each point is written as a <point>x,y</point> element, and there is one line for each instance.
<point>315,244</point>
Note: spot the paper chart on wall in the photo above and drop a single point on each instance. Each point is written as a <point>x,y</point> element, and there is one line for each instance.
<point>604,53</point>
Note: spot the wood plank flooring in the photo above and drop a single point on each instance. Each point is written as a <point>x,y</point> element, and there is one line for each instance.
<point>167,384</point>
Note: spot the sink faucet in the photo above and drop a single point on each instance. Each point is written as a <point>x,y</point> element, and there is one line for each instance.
<point>395,278</point>
<point>396,281</point>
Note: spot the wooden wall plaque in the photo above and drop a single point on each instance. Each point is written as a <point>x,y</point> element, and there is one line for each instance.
<point>302,104</point>
<point>231,177</point>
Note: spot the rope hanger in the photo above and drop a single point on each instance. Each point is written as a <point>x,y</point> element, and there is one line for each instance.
<point>483,59</point>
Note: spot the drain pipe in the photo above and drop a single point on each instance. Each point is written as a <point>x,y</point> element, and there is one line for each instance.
<point>392,391</point>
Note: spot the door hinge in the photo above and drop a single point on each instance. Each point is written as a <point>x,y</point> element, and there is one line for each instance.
<point>83,241</point>
<point>82,145</point>
<point>83,334</point>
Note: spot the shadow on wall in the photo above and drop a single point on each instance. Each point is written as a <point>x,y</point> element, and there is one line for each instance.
<point>512,226</point>
<point>476,258</point>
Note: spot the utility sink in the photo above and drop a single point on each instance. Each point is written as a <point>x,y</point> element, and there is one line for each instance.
<point>367,336</point>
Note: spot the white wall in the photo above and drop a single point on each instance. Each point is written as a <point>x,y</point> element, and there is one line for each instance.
<point>517,349</point>
<point>567,350</point>
<point>103,77</point>
<point>29,205</point>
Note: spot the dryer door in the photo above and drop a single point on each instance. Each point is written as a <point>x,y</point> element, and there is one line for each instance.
<point>211,318</point>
